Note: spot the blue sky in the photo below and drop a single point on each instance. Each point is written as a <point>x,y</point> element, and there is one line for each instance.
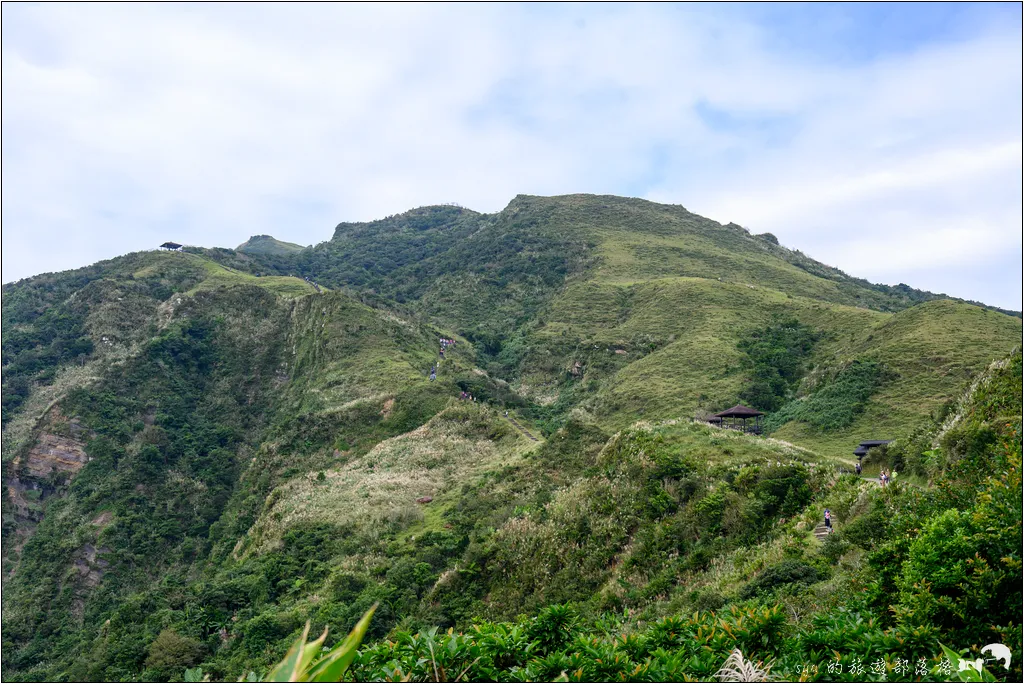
<point>884,139</point>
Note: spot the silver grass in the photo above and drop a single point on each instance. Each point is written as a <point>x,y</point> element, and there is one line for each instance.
<point>737,669</point>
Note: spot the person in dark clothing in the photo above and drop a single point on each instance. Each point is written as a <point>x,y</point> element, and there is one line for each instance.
<point>828,520</point>
<point>858,468</point>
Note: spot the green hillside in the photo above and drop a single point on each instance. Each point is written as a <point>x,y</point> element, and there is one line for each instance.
<point>202,450</point>
<point>649,303</point>
<point>267,244</point>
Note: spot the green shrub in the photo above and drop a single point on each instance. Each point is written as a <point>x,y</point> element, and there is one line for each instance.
<point>554,627</point>
<point>833,547</point>
<point>868,530</point>
<point>788,572</point>
<point>170,653</point>
<point>706,600</point>
<point>834,404</point>
<point>776,361</point>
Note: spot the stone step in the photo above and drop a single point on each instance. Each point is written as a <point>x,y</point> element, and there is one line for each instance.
<point>820,531</point>
<point>523,430</point>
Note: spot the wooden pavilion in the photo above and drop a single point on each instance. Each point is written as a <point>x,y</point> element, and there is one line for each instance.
<point>171,245</point>
<point>862,450</point>
<point>737,417</point>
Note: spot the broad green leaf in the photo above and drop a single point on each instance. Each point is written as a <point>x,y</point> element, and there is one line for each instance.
<point>288,669</point>
<point>194,674</point>
<point>332,666</point>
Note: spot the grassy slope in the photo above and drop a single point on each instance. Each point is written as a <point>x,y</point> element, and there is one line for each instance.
<point>315,373</point>
<point>673,290</point>
<point>680,331</point>
<point>636,240</point>
<point>457,446</point>
<point>934,349</point>
<point>121,303</point>
<point>214,275</point>
<point>266,244</point>
<point>554,281</point>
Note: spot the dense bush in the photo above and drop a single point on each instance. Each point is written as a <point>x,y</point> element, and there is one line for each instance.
<point>833,404</point>
<point>170,653</point>
<point>785,573</point>
<point>776,356</point>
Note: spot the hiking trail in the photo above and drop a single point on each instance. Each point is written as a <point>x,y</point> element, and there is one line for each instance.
<point>519,427</point>
<point>820,531</point>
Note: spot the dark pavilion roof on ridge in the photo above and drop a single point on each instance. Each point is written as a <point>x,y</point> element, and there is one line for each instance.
<point>862,450</point>
<point>739,411</point>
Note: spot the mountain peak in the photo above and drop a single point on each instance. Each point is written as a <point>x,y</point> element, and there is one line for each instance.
<point>267,244</point>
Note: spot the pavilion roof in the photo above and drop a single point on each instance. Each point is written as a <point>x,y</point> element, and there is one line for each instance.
<point>739,411</point>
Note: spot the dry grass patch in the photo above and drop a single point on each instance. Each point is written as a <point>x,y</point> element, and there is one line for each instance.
<point>379,489</point>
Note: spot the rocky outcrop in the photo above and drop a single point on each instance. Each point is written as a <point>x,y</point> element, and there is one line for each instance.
<point>90,566</point>
<point>58,450</point>
<point>54,454</point>
<point>24,497</point>
<point>29,481</point>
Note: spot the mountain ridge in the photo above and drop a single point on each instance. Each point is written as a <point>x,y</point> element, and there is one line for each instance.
<point>908,295</point>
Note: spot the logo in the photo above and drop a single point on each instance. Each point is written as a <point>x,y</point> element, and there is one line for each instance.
<point>999,652</point>
<point>969,664</point>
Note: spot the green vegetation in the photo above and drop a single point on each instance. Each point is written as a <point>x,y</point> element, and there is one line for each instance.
<point>776,354</point>
<point>266,244</point>
<point>206,460</point>
<point>835,403</point>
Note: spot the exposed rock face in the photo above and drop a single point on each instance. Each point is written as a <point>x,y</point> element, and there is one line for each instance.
<point>23,495</point>
<point>103,519</point>
<point>54,453</point>
<point>28,484</point>
<point>50,454</point>
<point>90,566</point>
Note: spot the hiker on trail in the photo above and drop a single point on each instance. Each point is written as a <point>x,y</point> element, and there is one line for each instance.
<point>858,468</point>
<point>828,520</point>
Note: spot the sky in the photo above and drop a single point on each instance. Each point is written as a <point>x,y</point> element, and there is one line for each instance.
<point>883,139</point>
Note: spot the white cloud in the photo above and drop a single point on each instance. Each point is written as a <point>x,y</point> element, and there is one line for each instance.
<point>125,125</point>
